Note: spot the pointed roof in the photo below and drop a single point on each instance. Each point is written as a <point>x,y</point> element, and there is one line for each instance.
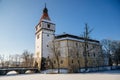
<point>45,15</point>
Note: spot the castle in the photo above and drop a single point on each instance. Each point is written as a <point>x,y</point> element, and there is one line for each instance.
<point>65,50</point>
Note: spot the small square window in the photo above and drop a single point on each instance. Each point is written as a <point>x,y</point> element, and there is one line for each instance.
<point>48,35</point>
<point>48,25</point>
<point>47,45</point>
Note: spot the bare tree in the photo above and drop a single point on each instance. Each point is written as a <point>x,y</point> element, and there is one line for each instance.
<point>115,49</point>
<point>2,60</point>
<point>11,57</point>
<point>117,56</point>
<point>31,59</point>
<point>107,46</point>
<point>16,60</point>
<point>27,59</point>
<point>85,45</point>
<point>54,47</point>
<point>78,55</point>
<point>7,62</point>
<point>25,56</point>
<point>75,54</point>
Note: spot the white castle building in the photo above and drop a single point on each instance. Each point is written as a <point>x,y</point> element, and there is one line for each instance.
<point>69,47</point>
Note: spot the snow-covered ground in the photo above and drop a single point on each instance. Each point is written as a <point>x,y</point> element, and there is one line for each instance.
<point>106,75</point>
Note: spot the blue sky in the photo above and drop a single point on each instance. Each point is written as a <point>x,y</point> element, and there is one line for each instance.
<point>18,19</point>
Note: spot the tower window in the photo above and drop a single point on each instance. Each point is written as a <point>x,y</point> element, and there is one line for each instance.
<point>37,36</point>
<point>48,25</point>
<point>47,45</point>
<point>48,35</point>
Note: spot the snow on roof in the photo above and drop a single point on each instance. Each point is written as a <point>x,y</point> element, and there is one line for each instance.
<point>73,37</point>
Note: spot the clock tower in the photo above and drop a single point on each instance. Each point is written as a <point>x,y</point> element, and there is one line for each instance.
<point>44,33</point>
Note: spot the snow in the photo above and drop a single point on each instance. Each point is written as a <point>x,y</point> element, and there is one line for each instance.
<point>106,75</point>
<point>11,72</point>
<point>54,71</point>
<point>14,72</point>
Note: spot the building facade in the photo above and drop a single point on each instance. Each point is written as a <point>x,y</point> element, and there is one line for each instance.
<point>65,50</point>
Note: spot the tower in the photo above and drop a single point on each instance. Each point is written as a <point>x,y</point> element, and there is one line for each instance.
<point>44,34</point>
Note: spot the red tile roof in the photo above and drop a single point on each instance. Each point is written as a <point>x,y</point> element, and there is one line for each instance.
<point>45,15</point>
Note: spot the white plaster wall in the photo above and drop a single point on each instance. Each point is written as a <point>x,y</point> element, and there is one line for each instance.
<point>38,44</point>
<point>45,36</point>
<point>46,40</point>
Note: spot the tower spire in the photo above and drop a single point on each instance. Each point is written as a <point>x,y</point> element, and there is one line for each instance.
<point>45,15</point>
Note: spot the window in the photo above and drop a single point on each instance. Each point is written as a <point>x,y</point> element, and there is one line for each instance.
<point>94,54</point>
<point>78,61</point>
<point>38,36</point>
<point>61,61</point>
<point>48,35</point>
<point>54,62</point>
<point>47,45</point>
<point>76,45</point>
<point>72,61</point>
<point>48,25</point>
